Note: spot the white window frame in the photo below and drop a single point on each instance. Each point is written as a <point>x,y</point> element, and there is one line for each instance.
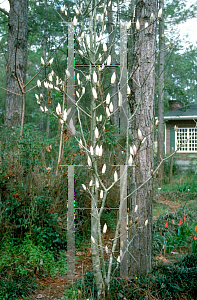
<point>190,143</point>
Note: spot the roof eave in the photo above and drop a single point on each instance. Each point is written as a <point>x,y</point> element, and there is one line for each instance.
<point>180,117</point>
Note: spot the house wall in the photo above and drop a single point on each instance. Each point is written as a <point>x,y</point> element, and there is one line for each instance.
<point>179,123</point>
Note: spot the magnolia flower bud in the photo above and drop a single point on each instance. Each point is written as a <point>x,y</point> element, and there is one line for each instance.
<point>50,61</point>
<point>151,17</point>
<point>97,150</point>
<point>75,21</point>
<point>50,85</point>
<point>107,112</point>
<point>82,35</point>
<point>105,228</point>
<point>80,52</point>
<point>91,183</point>
<point>130,161</point>
<point>58,109</point>
<point>77,93</point>
<point>138,25</point>
<point>100,119</point>
<point>134,150</point>
<point>89,161</point>
<point>128,90</point>
<point>67,73</point>
<point>96,133</point>
<point>83,90</point>
<point>104,169</point>
<point>118,259</point>
<point>50,77</point>
<point>84,187</point>
<point>136,208</point>
<point>129,25</point>
<point>46,85</point>
<point>77,11</point>
<point>109,4</point>
<point>146,223</point>
<point>95,77</point>
<point>62,8</point>
<point>109,60</point>
<point>91,150</point>
<point>101,194</point>
<point>104,27</point>
<point>88,77</point>
<point>65,115</point>
<point>80,144</point>
<point>100,57</point>
<point>42,62</point>
<point>160,13</point>
<point>104,47</point>
<point>143,140</point>
<point>113,78</point>
<point>100,151</point>
<point>175,128</point>
<point>115,176</point>
<point>42,109</point>
<point>108,98</point>
<point>157,122</point>
<point>111,107</point>
<point>146,25</point>
<point>139,134</point>
<point>45,109</point>
<point>41,96</point>
<point>94,93</point>
<point>37,97</point>
<point>92,239</point>
<point>101,18</point>
<point>57,80</point>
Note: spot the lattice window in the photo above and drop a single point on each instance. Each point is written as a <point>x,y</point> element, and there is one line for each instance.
<point>186,140</point>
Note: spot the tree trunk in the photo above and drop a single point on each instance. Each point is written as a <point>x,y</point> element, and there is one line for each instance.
<point>142,86</point>
<point>160,135</point>
<point>16,62</point>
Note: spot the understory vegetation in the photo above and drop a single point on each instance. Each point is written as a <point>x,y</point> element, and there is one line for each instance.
<point>33,219</point>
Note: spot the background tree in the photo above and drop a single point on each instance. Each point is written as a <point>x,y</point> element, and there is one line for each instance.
<point>16,62</point>
<point>142,83</point>
<point>161,61</point>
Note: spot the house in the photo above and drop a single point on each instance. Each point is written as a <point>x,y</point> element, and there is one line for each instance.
<point>184,138</point>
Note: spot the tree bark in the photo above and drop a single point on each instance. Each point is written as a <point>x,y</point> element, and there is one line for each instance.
<point>142,83</point>
<point>160,135</point>
<point>16,61</point>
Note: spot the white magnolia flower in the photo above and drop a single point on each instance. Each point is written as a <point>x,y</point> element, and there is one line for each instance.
<point>58,109</point>
<point>146,24</point>
<point>41,96</point>
<point>157,122</point>
<point>104,169</point>
<point>83,90</point>
<point>82,35</point>
<point>131,150</point>
<point>62,8</point>
<point>95,77</point>
<point>100,119</point>
<point>80,52</point>
<point>75,21</point>
<point>50,61</point>
<point>88,77</point>
<point>104,47</point>
<point>111,108</point>
<point>101,18</point>
<point>100,151</point>
<point>45,109</point>
<point>160,13</point>
<point>113,78</point>
<point>129,25</point>
<point>143,140</point>
<point>108,98</point>
<point>57,89</point>
<point>136,208</point>
<point>139,134</point>
<point>37,97</point>
<point>151,17</point>
<point>77,93</point>
<point>101,194</point>
<point>107,112</point>
<point>106,249</point>
<point>42,109</point>
<point>109,4</point>
<point>84,187</point>
<point>146,223</point>
<point>57,80</point>
<point>50,85</point>
<point>105,228</point>
<point>134,150</point>
<point>138,25</point>
<point>46,85</point>
<point>91,150</point>
<point>109,60</point>
<point>42,61</point>
<point>128,90</point>
<point>104,27</point>
<point>93,240</point>
<point>94,93</point>
<point>130,161</point>
<point>97,150</point>
<point>118,259</point>
<point>89,161</point>
<point>77,11</point>
<point>65,115</point>
<point>96,133</point>
<point>50,77</point>
<point>91,183</point>
<point>115,176</point>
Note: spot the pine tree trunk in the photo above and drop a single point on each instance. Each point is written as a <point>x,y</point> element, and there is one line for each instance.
<point>160,135</point>
<point>16,61</point>
<point>142,86</point>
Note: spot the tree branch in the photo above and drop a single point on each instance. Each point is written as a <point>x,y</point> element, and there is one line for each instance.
<point>4,11</point>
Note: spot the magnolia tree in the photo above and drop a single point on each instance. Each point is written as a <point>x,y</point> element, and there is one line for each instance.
<point>92,38</point>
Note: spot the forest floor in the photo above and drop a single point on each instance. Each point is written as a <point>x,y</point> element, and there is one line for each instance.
<point>54,288</point>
